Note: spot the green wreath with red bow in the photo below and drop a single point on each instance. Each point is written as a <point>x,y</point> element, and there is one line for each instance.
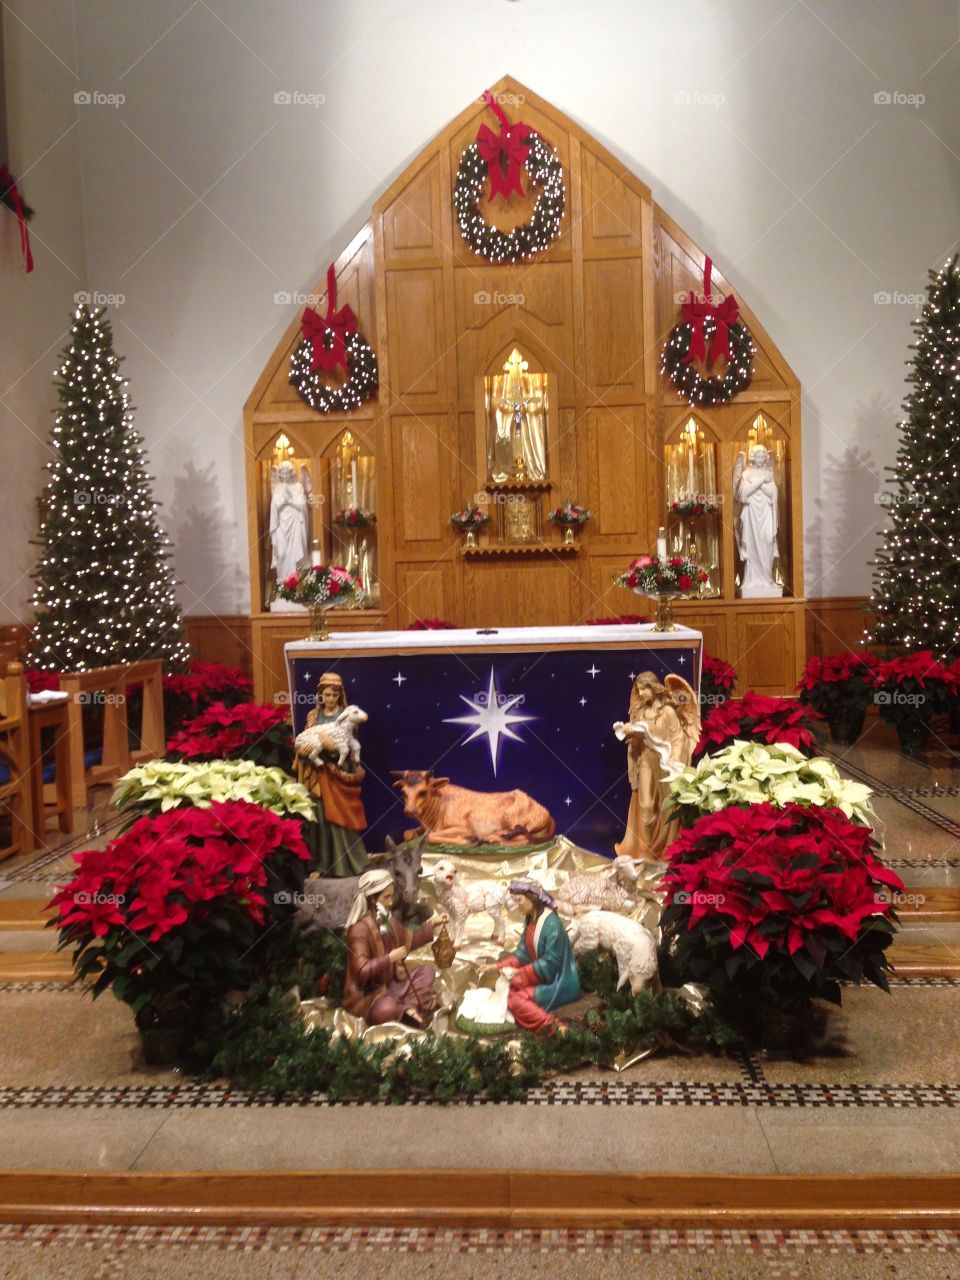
<point>503,157</point>
<point>329,342</point>
<point>686,351</point>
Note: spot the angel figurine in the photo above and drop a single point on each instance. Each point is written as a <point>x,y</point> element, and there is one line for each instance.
<point>289,500</point>
<point>757,522</point>
<point>663,730</point>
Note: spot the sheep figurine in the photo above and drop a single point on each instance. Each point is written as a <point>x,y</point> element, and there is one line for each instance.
<point>462,900</point>
<point>337,737</point>
<point>614,890</point>
<point>632,946</point>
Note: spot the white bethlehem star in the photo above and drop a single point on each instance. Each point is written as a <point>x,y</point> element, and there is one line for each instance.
<point>492,718</point>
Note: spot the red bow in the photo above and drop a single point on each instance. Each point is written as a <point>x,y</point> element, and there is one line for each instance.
<point>329,333</point>
<point>11,196</point>
<point>505,152</point>
<point>696,311</point>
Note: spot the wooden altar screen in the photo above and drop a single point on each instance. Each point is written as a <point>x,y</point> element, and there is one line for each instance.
<point>591,313</point>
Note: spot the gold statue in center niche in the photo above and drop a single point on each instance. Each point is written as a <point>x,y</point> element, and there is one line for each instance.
<point>516,404</point>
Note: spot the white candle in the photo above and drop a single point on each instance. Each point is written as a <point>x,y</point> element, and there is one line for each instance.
<point>354,497</point>
<point>690,469</point>
<point>662,544</point>
<point>316,556</point>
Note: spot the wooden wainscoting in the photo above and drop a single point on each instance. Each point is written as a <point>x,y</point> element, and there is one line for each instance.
<point>835,625</point>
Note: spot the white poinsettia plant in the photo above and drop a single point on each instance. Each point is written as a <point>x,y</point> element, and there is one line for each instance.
<point>774,773</point>
<point>165,784</point>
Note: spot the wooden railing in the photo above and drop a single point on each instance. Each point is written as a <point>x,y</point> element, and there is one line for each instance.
<point>107,687</point>
<point>15,804</point>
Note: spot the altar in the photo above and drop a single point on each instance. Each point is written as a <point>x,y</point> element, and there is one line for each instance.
<point>526,708</point>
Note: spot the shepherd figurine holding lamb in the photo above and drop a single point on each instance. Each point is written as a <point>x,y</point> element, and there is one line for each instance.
<point>328,765</point>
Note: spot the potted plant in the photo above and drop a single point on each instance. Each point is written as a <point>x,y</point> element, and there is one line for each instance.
<point>757,718</point>
<point>161,785</point>
<point>169,915</point>
<point>663,578</point>
<point>245,731</point>
<point>770,907</point>
<point>187,693</point>
<point>717,679</point>
<point>468,521</point>
<point>321,587</point>
<point>749,773</point>
<point>569,515</point>
<point>840,688</point>
<point>908,692</point>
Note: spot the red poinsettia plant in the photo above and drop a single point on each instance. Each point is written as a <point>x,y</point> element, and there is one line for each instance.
<point>756,718</point>
<point>186,693</point>
<point>717,679</point>
<point>167,915</point>
<point>431,624</point>
<point>842,681</point>
<point>913,687</point>
<point>650,576</point>
<point>778,904</point>
<point>247,731</point>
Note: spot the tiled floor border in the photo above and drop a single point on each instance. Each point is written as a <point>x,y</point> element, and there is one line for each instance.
<point>910,798</point>
<point>375,1240</point>
<point>606,1093</point>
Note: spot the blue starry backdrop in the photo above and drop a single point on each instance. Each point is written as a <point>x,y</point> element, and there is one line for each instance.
<point>539,722</point>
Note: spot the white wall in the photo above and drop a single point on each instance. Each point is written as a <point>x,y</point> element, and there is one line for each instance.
<point>203,198</point>
<point>40,58</point>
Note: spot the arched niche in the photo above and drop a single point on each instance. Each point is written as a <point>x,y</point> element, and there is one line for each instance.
<point>591,313</point>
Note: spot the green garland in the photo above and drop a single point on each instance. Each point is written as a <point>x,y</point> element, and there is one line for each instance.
<point>260,1044</point>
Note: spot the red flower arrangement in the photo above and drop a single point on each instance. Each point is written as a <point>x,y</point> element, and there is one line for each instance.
<point>246,731</point>
<point>623,619</point>
<point>186,693</point>
<point>167,914</point>
<point>431,624</point>
<point>840,687</point>
<point>778,904</point>
<point>909,691</point>
<point>755,718</point>
<point>354,518</point>
<point>717,679</point>
<point>41,681</point>
<point>650,576</point>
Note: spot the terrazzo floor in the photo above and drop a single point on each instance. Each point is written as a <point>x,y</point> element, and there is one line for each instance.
<point>878,1091</point>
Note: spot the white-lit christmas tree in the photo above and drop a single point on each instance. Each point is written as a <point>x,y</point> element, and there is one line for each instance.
<point>916,591</point>
<point>105,587</point>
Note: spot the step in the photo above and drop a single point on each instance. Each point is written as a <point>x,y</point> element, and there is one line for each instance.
<point>35,966</point>
<point>918,961</point>
<point>23,913</point>
<point>925,903</point>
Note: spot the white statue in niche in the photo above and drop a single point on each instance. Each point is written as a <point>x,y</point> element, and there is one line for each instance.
<point>757,522</point>
<point>288,519</point>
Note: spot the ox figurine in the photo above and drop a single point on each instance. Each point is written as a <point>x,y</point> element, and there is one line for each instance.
<point>455,815</point>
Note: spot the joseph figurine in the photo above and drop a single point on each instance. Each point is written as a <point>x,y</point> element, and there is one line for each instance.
<point>378,986</point>
<point>336,838</point>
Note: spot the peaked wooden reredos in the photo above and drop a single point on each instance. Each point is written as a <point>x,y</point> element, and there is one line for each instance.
<point>593,311</point>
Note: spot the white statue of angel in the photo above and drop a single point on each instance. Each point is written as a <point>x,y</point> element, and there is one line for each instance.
<point>289,500</point>
<point>757,522</point>
<point>663,730</point>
